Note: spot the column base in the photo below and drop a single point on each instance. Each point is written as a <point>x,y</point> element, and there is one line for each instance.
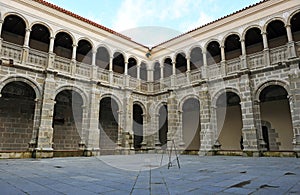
<point>42,153</point>
<point>252,153</point>
<point>88,152</point>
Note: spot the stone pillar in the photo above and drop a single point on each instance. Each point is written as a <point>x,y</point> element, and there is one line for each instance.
<point>173,120</point>
<point>266,49</point>
<point>73,60</point>
<point>243,56</point>
<point>162,71</point>
<point>45,133</point>
<point>138,71</point>
<point>127,120</point>
<point>94,54</point>
<point>173,76</point>
<point>25,52</point>
<point>249,131</point>
<point>36,124</point>
<point>110,69</point>
<point>223,61</point>
<point>126,68</point>
<point>188,64</point>
<point>181,143</point>
<point>173,68</point>
<point>51,55</point>
<point>150,72</point>
<point>291,43</point>
<point>1,22</point>
<point>93,120</point>
<point>207,135</point>
<point>204,68</point>
<point>294,100</point>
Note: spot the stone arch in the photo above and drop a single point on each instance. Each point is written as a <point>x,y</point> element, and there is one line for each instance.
<point>108,49</point>
<point>44,24</point>
<point>67,32</point>
<point>183,99</point>
<point>178,52</point>
<point>72,88</point>
<point>291,16</point>
<point>271,20</point>
<point>191,49</point>
<point>88,40</point>
<point>84,51</point>
<point>265,84</point>
<point>243,36</point>
<point>31,82</point>
<point>211,40</point>
<point>138,120</point>
<point>121,52</point>
<point>17,14</point>
<point>141,105</point>
<point>113,96</point>
<point>216,95</point>
<point>227,35</point>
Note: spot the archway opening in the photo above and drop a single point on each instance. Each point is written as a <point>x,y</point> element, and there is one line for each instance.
<point>13,30</point>
<point>39,38</point>
<point>233,48</point>
<point>276,33</point>
<point>17,105</point>
<point>84,52</point>
<point>196,58</point>
<point>168,68</point>
<point>213,53</point>
<point>229,121</point>
<point>295,27</point>
<point>67,120</point>
<point>253,41</point>
<point>181,64</point>
<point>132,67</point>
<point>118,63</point>
<point>157,72</point>
<point>108,123</point>
<point>102,58</point>
<point>163,126</point>
<point>63,45</point>
<point>143,71</point>
<point>137,126</point>
<point>275,108</point>
<point>191,125</point>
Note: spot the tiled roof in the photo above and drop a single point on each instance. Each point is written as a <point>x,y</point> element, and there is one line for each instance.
<point>85,20</point>
<point>128,38</point>
<point>212,22</point>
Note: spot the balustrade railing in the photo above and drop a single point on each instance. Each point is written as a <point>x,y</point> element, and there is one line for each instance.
<point>181,79</point>
<point>83,69</point>
<point>233,66</point>
<point>62,64</point>
<point>37,58</point>
<point>214,70</point>
<point>133,82</point>
<point>298,48</point>
<point>256,60</point>
<point>102,74</point>
<point>195,75</point>
<point>118,79</point>
<point>11,51</point>
<point>278,54</point>
<point>144,86</point>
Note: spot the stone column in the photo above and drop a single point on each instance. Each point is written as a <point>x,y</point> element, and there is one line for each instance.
<point>51,55</point>
<point>150,72</point>
<point>110,69</point>
<point>94,54</point>
<point>162,71</point>
<point>25,52</point>
<point>223,61</point>
<point>138,71</point>
<point>266,49</point>
<point>249,131</point>
<point>291,43</point>
<point>93,120</point>
<point>36,124</point>
<point>127,120</point>
<point>207,135</point>
<point>204,68</point>
<point>181,143</point>
<point>188,64</point>
<point>126,68</point>
<point>73,60</point>
<point>173,120</point>
<point>1,22</point>
<point>45,133</point>
<point>173,76</point>
<point>243,56</point>
<point>294,100</point>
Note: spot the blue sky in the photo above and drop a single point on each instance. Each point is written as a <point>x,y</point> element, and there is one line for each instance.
<point>162,19</point>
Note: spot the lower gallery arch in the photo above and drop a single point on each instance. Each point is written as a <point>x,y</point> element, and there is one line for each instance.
<point>191,125</point>
<point>275,111</point>
<point>137,126</point>
<point>108,123</point>
<point>229,121</point>
<point>17,105</point>
<point>67,120</point>
<point>163,126</point>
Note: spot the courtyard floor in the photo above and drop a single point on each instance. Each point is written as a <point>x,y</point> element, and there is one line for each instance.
<point>147,174</point>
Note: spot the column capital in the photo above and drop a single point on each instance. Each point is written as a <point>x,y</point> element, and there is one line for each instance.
<point>28,29</point>
<point>51,38</point>
<point>74,45</point>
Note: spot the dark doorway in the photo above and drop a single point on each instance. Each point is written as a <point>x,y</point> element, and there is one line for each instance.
<point>266,136</point>
<point>137,126</point>
<point>163,126</point>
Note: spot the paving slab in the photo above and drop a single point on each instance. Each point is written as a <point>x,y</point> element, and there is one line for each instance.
<point>145,174</point>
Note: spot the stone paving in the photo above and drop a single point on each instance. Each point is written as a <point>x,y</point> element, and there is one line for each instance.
<point>142,174</point>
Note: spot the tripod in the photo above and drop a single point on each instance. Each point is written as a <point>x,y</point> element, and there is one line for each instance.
<point>173,147</point>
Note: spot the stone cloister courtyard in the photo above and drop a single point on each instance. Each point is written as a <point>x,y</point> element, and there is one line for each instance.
<point>149,174</point>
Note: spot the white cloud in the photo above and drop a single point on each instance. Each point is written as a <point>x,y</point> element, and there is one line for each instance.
<point>202,19</point>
